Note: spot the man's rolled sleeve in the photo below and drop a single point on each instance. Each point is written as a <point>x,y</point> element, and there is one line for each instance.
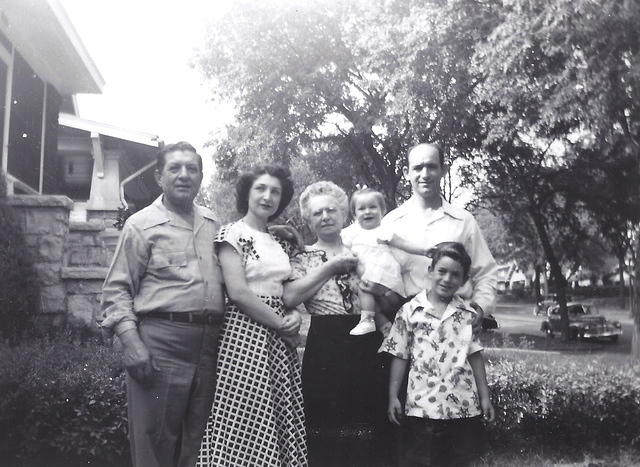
<point>123,281</point>
<point>484,269</point>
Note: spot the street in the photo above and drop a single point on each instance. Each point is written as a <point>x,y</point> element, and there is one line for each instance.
<point>518,322</point>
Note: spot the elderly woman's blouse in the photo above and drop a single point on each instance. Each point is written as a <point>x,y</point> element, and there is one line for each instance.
<point>338,296</point>
<point>265,263</point>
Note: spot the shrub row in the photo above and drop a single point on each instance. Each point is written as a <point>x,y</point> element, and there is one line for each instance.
<point>569,402</point>
<point>59,400</point>
<point>68,401</point>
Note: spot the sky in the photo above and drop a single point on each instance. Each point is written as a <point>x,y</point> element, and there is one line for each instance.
<point>143,49</point>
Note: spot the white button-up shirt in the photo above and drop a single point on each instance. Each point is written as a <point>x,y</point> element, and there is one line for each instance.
<point>445,224</point>
<point>441,383</point>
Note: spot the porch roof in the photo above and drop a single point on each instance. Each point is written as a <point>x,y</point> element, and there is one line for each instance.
<point>45,37</point>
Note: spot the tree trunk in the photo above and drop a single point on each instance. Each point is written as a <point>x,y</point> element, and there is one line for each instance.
<point>621,267</point>
<point>556,275</point>
<point>536,282</point>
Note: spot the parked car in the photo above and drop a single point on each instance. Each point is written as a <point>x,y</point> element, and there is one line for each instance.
<point>584,323</point>
<point>546,301</point>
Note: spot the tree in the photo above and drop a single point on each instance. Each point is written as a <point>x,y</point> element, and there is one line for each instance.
<point>559,77</point>
<point>348,88</point>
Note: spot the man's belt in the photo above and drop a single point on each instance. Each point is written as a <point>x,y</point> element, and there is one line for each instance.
<point>195,317</point>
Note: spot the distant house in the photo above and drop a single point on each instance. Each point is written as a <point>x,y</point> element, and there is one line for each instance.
<point>66,176</point>
<point>46,147</point>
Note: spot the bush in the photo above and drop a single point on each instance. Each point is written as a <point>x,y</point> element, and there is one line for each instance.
<point>18,291</point>
<point>62,401</point>
<point>568,403</point>
<point>67,402</point>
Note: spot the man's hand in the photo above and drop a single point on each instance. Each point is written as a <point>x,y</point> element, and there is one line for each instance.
<point>288,233</point>
<point>290,324</point>
<point>394,411</point>
<point>476,324</point>
<point>137,359</point>
<point>488,412</point>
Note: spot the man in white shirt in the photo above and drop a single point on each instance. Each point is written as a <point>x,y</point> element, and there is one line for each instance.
<point>426,218</point>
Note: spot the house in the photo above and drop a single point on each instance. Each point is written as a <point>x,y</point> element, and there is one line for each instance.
<point>66,176</point>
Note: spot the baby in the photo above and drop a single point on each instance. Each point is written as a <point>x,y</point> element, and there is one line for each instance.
<point>371,243</point>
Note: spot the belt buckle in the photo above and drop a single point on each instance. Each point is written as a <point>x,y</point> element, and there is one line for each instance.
<point>208,318</point>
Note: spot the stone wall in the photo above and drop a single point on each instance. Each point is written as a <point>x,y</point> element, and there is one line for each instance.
<point>71,258</point>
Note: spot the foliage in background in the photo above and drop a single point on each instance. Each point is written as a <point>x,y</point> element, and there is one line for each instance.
<point>560,92</point>
<point>345,89</point>
<point>121,217</point>
<point>19,293</point>
<point>62,401</point>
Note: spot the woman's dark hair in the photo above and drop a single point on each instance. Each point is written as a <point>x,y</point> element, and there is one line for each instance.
<point>246,180</point>
<point>453,250</point>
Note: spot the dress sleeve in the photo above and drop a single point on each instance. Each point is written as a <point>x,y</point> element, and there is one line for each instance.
<point>299,264</point>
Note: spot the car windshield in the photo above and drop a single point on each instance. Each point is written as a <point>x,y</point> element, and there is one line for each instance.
<point>576,310</point>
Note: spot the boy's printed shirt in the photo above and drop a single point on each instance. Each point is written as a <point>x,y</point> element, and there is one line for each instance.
<point>441,383</point>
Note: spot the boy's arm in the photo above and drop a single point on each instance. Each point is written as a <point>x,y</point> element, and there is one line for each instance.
<point>397,372</point>
<point>479,374</point>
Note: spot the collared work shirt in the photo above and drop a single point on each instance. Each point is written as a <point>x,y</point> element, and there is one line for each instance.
<point>163,263</point>
<point>445,224</point>
<point>441,383</point>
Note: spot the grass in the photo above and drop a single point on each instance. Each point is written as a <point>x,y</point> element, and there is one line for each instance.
<point>622,457</point>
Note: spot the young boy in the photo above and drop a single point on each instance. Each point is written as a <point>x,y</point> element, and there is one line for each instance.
<point>447,393</point>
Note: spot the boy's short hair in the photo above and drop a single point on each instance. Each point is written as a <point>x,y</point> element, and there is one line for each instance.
<point>367,191</point>
<point>453,250</point>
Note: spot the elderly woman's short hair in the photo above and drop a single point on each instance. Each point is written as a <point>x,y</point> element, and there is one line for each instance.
<point>246,180</point>
<point>323,188</point>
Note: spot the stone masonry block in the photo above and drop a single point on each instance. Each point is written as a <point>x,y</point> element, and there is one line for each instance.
<point>51,248</point>
<point>82,309</point>
<point>87,256</point>
<point>48,273</point>
<point>53,298</point>
<point>84,286</point>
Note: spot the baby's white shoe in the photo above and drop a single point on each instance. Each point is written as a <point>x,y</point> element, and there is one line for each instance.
<point>366,324</point>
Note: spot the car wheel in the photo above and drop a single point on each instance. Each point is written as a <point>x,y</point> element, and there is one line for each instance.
<point>549,332</point>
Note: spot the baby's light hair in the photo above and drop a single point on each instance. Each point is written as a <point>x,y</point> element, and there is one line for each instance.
<point>379,197</point>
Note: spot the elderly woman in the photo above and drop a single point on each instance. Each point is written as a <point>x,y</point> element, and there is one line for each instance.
<point>257,416</point>
<point>343,379</point>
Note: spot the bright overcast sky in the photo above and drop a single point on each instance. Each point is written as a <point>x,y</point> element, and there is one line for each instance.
<point>143,49</point>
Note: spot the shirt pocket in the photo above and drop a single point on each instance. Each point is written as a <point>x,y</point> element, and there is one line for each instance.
<point>161,259</point>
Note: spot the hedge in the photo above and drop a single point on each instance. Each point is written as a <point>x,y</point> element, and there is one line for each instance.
<point>67,401</point>
<point>565,402</point>
<point>60,400</point>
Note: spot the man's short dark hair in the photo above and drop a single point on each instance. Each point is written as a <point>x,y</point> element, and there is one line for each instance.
<point>246,179</point>
<point>161,158</point>
<point>433,145</point>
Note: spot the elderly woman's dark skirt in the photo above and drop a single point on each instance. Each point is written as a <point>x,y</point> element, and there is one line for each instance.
<point>344,383</point>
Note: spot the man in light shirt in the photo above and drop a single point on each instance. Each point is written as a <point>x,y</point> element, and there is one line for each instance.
<point>427,219</point>
<point>163,297</point>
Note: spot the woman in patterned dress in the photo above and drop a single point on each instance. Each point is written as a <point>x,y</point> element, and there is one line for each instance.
<point>344,379</point>
<point>257,416</point>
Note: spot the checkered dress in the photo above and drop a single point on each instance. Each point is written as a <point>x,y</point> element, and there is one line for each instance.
<point>257,417</point>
